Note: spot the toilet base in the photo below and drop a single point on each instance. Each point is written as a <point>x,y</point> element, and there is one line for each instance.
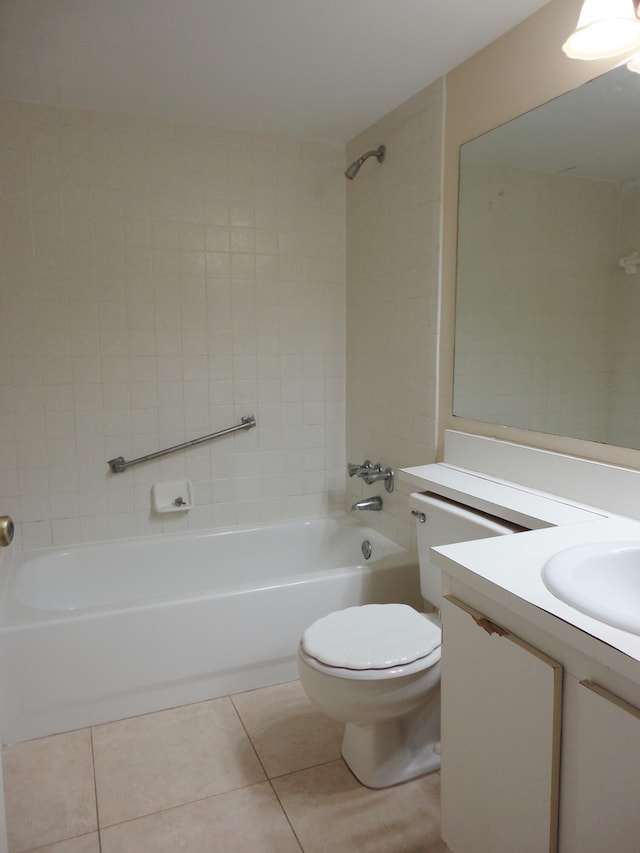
<point>388,753</point>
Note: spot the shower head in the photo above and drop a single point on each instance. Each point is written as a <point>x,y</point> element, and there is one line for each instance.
<point>354,168</point>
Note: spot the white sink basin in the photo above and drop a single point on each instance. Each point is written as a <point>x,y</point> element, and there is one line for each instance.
<point>601,579</point>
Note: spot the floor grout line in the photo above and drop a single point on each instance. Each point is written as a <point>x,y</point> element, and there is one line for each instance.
<point>271,780</point>
<point>253,746</point>
<point>95,790</point>
<point>284,812</point>
<point>268,778</point>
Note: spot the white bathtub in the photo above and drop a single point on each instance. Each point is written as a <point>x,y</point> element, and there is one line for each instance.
<point>100,632</point>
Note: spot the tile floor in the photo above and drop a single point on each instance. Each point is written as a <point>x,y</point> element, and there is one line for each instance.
<point>257,772</point>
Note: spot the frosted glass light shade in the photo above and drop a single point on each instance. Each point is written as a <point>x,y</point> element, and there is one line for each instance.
<point>605,28</point>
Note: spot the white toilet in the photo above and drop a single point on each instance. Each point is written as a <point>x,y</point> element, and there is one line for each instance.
<point>377,667</point>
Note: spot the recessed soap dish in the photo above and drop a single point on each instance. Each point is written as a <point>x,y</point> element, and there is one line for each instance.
<point>176,496</point>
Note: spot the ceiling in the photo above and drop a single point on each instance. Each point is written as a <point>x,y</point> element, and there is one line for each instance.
<point>319,69</point>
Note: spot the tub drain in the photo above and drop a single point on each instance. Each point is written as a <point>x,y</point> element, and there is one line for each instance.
<point>367,548</point>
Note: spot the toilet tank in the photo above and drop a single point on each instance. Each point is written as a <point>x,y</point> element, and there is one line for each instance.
<point>446,522</point>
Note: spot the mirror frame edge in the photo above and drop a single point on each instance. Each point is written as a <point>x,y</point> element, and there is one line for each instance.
<point>521,70</point>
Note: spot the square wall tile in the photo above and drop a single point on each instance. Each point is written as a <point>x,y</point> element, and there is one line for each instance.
<point>128,267</point>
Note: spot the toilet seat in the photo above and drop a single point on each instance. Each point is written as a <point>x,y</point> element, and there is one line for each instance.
<point>373,638</point>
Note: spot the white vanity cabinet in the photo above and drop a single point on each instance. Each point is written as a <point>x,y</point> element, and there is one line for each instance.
<point>501,722</point>
<point>601,774</point>
<point>541,718</point>
<point>535,758</point>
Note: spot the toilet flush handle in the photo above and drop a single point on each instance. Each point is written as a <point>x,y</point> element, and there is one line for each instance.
<point>419,516</point>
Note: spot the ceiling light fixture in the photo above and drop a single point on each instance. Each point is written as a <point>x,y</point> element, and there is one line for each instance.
<point>605,28</point>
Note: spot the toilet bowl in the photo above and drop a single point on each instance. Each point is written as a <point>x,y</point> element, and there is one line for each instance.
<point>377,667</point>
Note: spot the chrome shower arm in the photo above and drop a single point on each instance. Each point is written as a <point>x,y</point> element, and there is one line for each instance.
<point>352,170</point>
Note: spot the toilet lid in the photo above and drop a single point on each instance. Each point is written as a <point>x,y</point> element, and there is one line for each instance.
<point>372,636</point>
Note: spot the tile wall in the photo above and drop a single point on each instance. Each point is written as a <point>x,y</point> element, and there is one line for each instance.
<point>157,282</point>
<point>393,274</point>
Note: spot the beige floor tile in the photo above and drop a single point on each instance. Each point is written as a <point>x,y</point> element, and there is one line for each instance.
<point>49,790</point>
<point>330,810</point>
<point>286,730</point>
<point>84,844</point>
<point>245,821</point>
<point>150,763</point>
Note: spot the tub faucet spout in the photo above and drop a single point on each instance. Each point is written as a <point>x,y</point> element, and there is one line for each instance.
<point>374,504</point>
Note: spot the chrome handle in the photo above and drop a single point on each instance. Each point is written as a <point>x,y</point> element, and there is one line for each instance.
<point>360,470</point>
<point>372,473</point>
<point>419,516</point>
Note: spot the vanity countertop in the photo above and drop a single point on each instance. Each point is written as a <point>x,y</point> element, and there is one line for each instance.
<point>508,568</point>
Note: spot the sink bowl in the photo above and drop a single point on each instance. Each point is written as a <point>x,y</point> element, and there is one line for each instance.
<point>601,579</point>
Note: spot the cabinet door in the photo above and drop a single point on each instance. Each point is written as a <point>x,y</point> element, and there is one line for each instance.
<point>501,718</point>
<point>608,778</point>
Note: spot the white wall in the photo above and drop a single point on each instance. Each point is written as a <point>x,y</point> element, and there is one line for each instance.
<point>157,282</point>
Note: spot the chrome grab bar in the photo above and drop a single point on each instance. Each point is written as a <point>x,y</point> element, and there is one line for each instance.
<point>118,464</point>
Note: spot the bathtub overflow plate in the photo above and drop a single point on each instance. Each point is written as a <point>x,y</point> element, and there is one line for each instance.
<point>367,549</point>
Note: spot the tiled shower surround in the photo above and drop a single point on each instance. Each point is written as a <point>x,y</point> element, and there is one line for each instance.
<point>393,286</point>
<point>159,281</point>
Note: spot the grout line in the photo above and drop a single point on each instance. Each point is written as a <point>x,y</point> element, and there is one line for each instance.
<point>337,760</point>
<point>284,812</point>
<point>182,805</point>
<point>95,790</point>
<point>244,728</point>
<point>268,778</point>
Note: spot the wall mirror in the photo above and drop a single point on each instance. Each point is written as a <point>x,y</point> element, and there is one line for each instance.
<point>547,334</point>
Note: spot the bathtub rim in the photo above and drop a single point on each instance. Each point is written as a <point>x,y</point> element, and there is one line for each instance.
<point>16,615</point>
